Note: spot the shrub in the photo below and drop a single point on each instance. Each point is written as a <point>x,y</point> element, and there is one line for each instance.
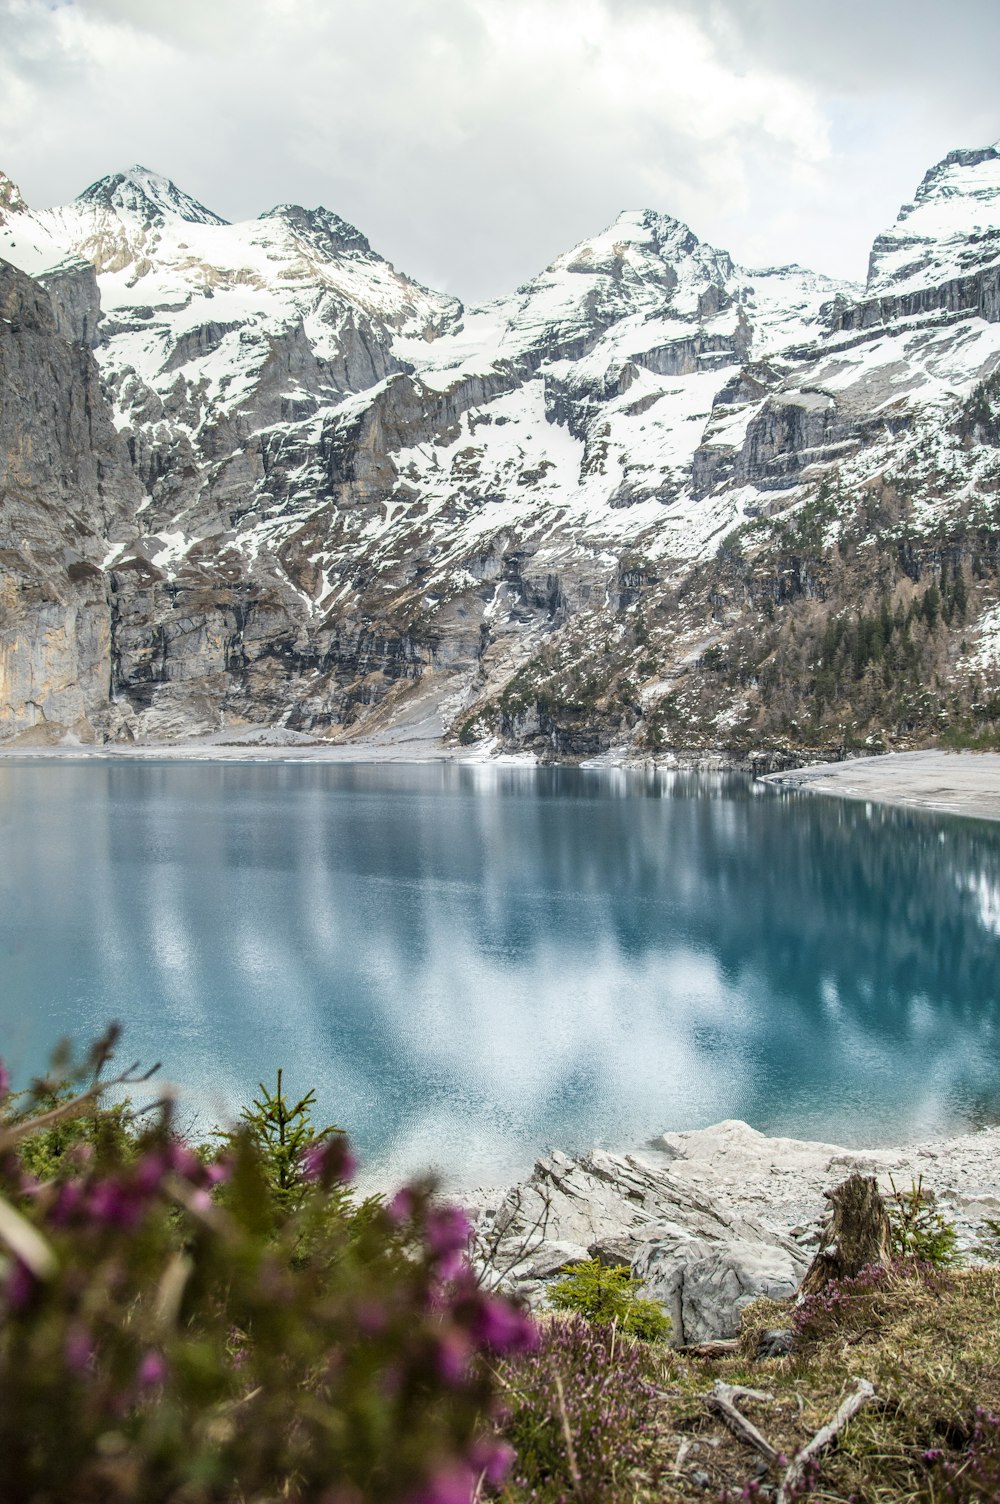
<point>989,1239</point>
<point>284,1139</point>
<point>603,1294</point>
<point>582,1415</point>
<point>917,1228</point>
<point>157,1343</point>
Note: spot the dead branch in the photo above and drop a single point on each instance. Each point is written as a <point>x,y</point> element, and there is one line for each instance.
<point>863,1393</point>
<point>723,1347</point>
<point>170,1291</point>
<point>485,1250</point>
<point>722,1400</point>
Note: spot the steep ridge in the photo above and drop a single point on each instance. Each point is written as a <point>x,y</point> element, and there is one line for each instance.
<point>346,485</point>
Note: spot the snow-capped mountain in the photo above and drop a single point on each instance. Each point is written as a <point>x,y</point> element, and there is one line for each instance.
<point>353,492</point>
<point>951,229</point>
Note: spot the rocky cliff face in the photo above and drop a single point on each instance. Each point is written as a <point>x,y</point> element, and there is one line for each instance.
<point>320,492</point>
<point>68,495</point>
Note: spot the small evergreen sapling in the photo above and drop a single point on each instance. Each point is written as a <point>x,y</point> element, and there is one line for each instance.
<point>918,1230</point>
<point>610,1294</point>
<point>285,1140</point>
<point>988,1247</point>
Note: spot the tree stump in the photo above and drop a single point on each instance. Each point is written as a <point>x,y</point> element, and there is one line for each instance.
<point>856,1234</point>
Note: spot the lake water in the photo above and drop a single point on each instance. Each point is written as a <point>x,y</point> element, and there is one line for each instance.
<point>473,964</point>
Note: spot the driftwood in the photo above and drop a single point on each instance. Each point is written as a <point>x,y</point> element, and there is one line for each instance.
<point>722,1401</point>
<point>856,1235</point>
<point>863,1392</point>
<point>722,1347</point>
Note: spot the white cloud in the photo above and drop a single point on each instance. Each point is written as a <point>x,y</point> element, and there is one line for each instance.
<point>472,140</point>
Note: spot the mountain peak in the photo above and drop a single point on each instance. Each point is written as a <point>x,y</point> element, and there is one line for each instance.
<point>11,198</point>
<point>651,219</point>
<point>957,202</point>
<point>326,231</point>
<point>148,195</point>
<point>649,245</point>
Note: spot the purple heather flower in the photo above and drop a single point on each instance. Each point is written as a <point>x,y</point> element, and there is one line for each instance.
<point>4,1079</point>
<point>402,1205</point>
<point>501,1326</point>
<point>446,1237</point>
<point>150,1171</point>
<point>20,1285</point>
<point>152,1369</point>
<point>933,1454</point>
<point>454,1485</point>
<point>78,1349</point>
<point>448,1266</point>
<point>183,1160</point>
<point>448,1230</point>
<point>494,1460</point>
<point>330,1161</point>
<point>110,1202</point>
<point>451,1358</point>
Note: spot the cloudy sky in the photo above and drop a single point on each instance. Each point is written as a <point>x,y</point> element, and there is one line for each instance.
<point>472,140</point>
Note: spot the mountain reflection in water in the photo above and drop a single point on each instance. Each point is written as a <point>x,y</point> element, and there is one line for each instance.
<point>475,963</point>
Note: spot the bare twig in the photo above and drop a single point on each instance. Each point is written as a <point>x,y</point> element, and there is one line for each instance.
<point>492,1269</point>
<point>682,1452</point>
<point>74,1108</point>
<point>574,1471</point>
<point>863,1393</point>
<point>722,1400</point>
<point>244,1399</point>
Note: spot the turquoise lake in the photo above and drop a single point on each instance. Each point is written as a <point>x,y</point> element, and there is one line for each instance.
<point>474,964</point>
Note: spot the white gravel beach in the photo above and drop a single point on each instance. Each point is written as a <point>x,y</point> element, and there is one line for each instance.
<point>952,783</point>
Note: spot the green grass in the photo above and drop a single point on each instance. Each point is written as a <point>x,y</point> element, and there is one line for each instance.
<point>928,1342</point>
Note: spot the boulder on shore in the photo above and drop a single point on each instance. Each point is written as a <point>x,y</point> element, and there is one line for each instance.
<point>712,1218</point>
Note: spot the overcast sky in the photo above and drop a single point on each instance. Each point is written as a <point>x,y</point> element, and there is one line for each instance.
<point>472,140</point>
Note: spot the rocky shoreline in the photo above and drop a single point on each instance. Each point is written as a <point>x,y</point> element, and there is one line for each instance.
<point>955,783</point>
<point>712,1218</point>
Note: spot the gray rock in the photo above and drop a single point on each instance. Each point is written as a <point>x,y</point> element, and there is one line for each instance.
<point>701,1265</point>
<point>776,1342</point>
